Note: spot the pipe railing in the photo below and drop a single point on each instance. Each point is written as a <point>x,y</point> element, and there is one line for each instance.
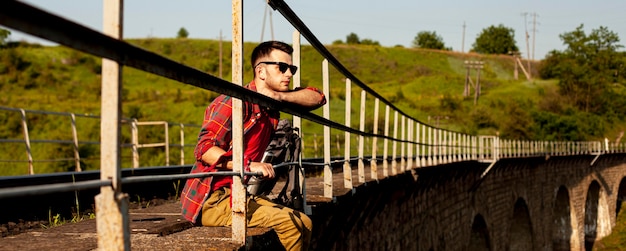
<point>413,143</point>
<point>75,141</point>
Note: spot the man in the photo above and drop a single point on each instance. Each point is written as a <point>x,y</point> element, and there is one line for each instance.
<point>208,199</point>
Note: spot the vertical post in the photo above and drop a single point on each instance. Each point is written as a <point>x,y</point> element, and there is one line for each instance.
<point>296,58</point>
<point>167,143</point>
<point>328,173</point>
<point>347,169</point>
<point>385,144</point>
<point>402,144</point>
<point>75,138</point>
<point>111,204</point>
<point>134,132</point>
<point>361,165</point>
<point>418,138</point>
<point>409,149</point>
<point>31,170</point>
<point>297,121</point>
<point>373,164</point>
<point>394,163</point>
<point>430,146</point>
<point>182,144</point>
<point>238,192</point>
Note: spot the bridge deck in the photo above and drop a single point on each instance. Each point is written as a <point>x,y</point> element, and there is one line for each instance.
<point>162,228</point>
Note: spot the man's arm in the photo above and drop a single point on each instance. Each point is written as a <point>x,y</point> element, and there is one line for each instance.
<point>310,98</point>
<point>214,153</point>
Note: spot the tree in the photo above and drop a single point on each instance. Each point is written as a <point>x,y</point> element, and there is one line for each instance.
<point>428,40</point>
<point>352,38</point>
<point>495,40</point>
<point>182,33</point>
<point>4,34</point>
<point>588,69</point>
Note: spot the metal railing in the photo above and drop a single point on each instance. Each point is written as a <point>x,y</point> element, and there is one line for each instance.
<point>71,137</point>
<point>413,144</point>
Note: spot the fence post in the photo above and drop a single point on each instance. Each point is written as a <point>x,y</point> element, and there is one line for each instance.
<point>385,144</point>
<point>134,132</point>
<point>182,144</point>
<point>111,204</point>
<point>361,165</point>
<point>328,173</point>
<point>394,163</point>
<point>347,168</point>
<point>75,138</point>
<point>373,162</point>
<point>238,192</point>
<point>31,170</point>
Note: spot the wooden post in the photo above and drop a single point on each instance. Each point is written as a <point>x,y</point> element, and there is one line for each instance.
<point>111,204</point>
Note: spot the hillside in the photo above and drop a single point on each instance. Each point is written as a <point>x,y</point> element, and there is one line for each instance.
<point>425,84</point>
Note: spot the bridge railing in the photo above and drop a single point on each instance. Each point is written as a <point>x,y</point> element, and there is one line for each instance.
<point>75,133</point>
<point>402,144</point>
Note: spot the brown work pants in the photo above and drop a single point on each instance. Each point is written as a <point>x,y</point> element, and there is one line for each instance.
<point>293,227</point>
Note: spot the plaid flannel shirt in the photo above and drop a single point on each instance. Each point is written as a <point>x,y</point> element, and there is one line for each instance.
<point>216,131</point>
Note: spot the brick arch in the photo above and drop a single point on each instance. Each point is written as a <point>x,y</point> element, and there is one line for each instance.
<point>597,221</point>
<point>479,236</point>
<point>521,230</point>
<point>564,221</point>
<point>621,196</point>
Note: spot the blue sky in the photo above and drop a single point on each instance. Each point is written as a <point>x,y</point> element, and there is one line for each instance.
<point>391,22</point>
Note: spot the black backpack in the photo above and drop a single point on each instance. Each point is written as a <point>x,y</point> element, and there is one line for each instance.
<point>283,152</point>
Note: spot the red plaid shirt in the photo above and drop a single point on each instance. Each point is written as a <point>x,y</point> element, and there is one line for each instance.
<point>216,131</point>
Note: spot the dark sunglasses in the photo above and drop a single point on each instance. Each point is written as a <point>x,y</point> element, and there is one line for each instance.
<point>282,66</point>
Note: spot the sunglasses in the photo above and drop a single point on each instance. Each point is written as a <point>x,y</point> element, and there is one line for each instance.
<point>282,66</point>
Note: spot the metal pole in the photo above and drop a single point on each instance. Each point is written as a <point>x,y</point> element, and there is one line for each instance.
<point>347,168</point>
<point>361,165</point>
<point>238,192</point>
<point>75,138</point>
<point>373,162</point>
<point>328,173</point>
<point>31,170</point>
<point>111,204</point>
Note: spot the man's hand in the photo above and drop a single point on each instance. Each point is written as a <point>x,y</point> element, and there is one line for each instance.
<point>265,168</point>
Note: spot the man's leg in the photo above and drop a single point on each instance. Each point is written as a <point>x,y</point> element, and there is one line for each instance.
<point>216,210</point>
<point>293,227</point>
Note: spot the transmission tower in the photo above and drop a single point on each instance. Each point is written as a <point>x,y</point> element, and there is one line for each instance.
<point>267,10</point>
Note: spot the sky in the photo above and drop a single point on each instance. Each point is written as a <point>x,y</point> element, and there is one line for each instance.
<point>390,22</point>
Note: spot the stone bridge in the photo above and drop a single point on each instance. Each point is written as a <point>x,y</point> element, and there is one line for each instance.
<point>538,203</point>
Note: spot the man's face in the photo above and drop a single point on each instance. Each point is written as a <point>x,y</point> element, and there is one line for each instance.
<point>271,73</point>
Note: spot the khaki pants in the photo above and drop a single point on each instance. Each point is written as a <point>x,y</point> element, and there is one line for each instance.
<point>293,227</point>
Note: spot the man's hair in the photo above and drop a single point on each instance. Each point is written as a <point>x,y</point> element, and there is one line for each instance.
<point>264,49</point>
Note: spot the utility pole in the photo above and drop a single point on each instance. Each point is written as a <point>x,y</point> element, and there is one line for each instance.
<point>534,32</point>
<point>271,23</point>
<point>525,14</point>
<point>463,39</point>
<point>221,54</point>
<point>478,65</point>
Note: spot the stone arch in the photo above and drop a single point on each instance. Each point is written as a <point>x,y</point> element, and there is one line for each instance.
<point>562,224</point>
<point>597,218</point>
<point>479,237</point>
<point>621,196</point>
<point>520,231</point>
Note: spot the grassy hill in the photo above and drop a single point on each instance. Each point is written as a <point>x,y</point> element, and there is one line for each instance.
<point>428,85</point>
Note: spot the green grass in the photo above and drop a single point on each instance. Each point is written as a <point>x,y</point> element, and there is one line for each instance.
<point>424,84</point>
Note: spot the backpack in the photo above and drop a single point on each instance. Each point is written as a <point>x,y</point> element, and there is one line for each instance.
<point>283,152</point>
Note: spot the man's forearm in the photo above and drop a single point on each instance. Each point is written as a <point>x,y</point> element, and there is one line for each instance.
<point>304,97</point>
